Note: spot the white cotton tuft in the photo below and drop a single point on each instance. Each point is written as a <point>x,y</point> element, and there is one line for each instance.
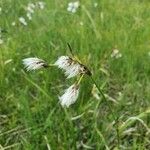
<point>34,63</point>
<point>70,96</point>
<point>63,62</point>
<point>72,68</point>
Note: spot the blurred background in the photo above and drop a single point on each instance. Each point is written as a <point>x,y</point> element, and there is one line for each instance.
<point>111,38</point>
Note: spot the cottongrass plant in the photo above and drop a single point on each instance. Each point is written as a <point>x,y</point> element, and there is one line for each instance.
<point>72,67</point>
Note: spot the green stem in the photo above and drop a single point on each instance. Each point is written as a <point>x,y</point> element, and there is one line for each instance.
<point>113,115</point>
<point>80,79</point>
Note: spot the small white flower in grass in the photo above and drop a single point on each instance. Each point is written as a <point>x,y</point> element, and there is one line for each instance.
<point>116,54</point>
<point>41,5</point>
<point>73,6</point>
<point>70,96</point>
<point>119,55</point>
<point>31,5</point>
<point>23,21</point>
<point>29,16</point>
<point>30,8</point>
<point>34,63</point>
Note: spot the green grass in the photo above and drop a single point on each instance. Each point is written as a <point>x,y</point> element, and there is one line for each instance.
<point>31,117</point>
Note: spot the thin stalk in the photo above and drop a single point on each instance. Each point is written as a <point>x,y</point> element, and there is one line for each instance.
<point>51,65</point>
<point>113,115</point>
<point>74,57</point>
<point>80,79</point>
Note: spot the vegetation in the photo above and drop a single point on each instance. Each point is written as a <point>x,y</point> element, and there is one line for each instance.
<point>31,117</point>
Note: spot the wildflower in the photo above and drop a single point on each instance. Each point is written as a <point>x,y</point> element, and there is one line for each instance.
<point>116,54</point>
<point>119,55</point>
<point>34,63</point>
<point>13,23</point>
<point>71,67</point>
<point>29,16</point>
<point>70,96</point>
<point>73,6</point>
<point>41,5</point>
<point>23,21</point>
<point>30,8</point>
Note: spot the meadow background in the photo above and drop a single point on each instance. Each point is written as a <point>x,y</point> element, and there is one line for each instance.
<point>31,117</point>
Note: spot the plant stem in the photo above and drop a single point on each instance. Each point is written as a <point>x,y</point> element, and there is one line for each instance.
<point>80,79</point>
<point>113,115</point>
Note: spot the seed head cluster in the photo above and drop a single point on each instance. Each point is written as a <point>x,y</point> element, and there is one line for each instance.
<point>70,66</point>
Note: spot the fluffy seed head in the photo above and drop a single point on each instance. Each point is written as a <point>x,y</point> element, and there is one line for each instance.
<point>73,70</point>
<point>34,63</point>
<point>71,67</point>
<point>70,96</point>
<point>63,62</point>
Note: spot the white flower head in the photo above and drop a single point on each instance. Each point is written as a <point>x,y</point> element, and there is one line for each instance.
<point>31,5</point>
<point>29,16</point>
<point>30,8</point>
<point>116,54</point>
<point>70,96</point>
<point>73,6</point>
<point>23,21</point>
<point>41,5</point>
<point>34,63</point>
